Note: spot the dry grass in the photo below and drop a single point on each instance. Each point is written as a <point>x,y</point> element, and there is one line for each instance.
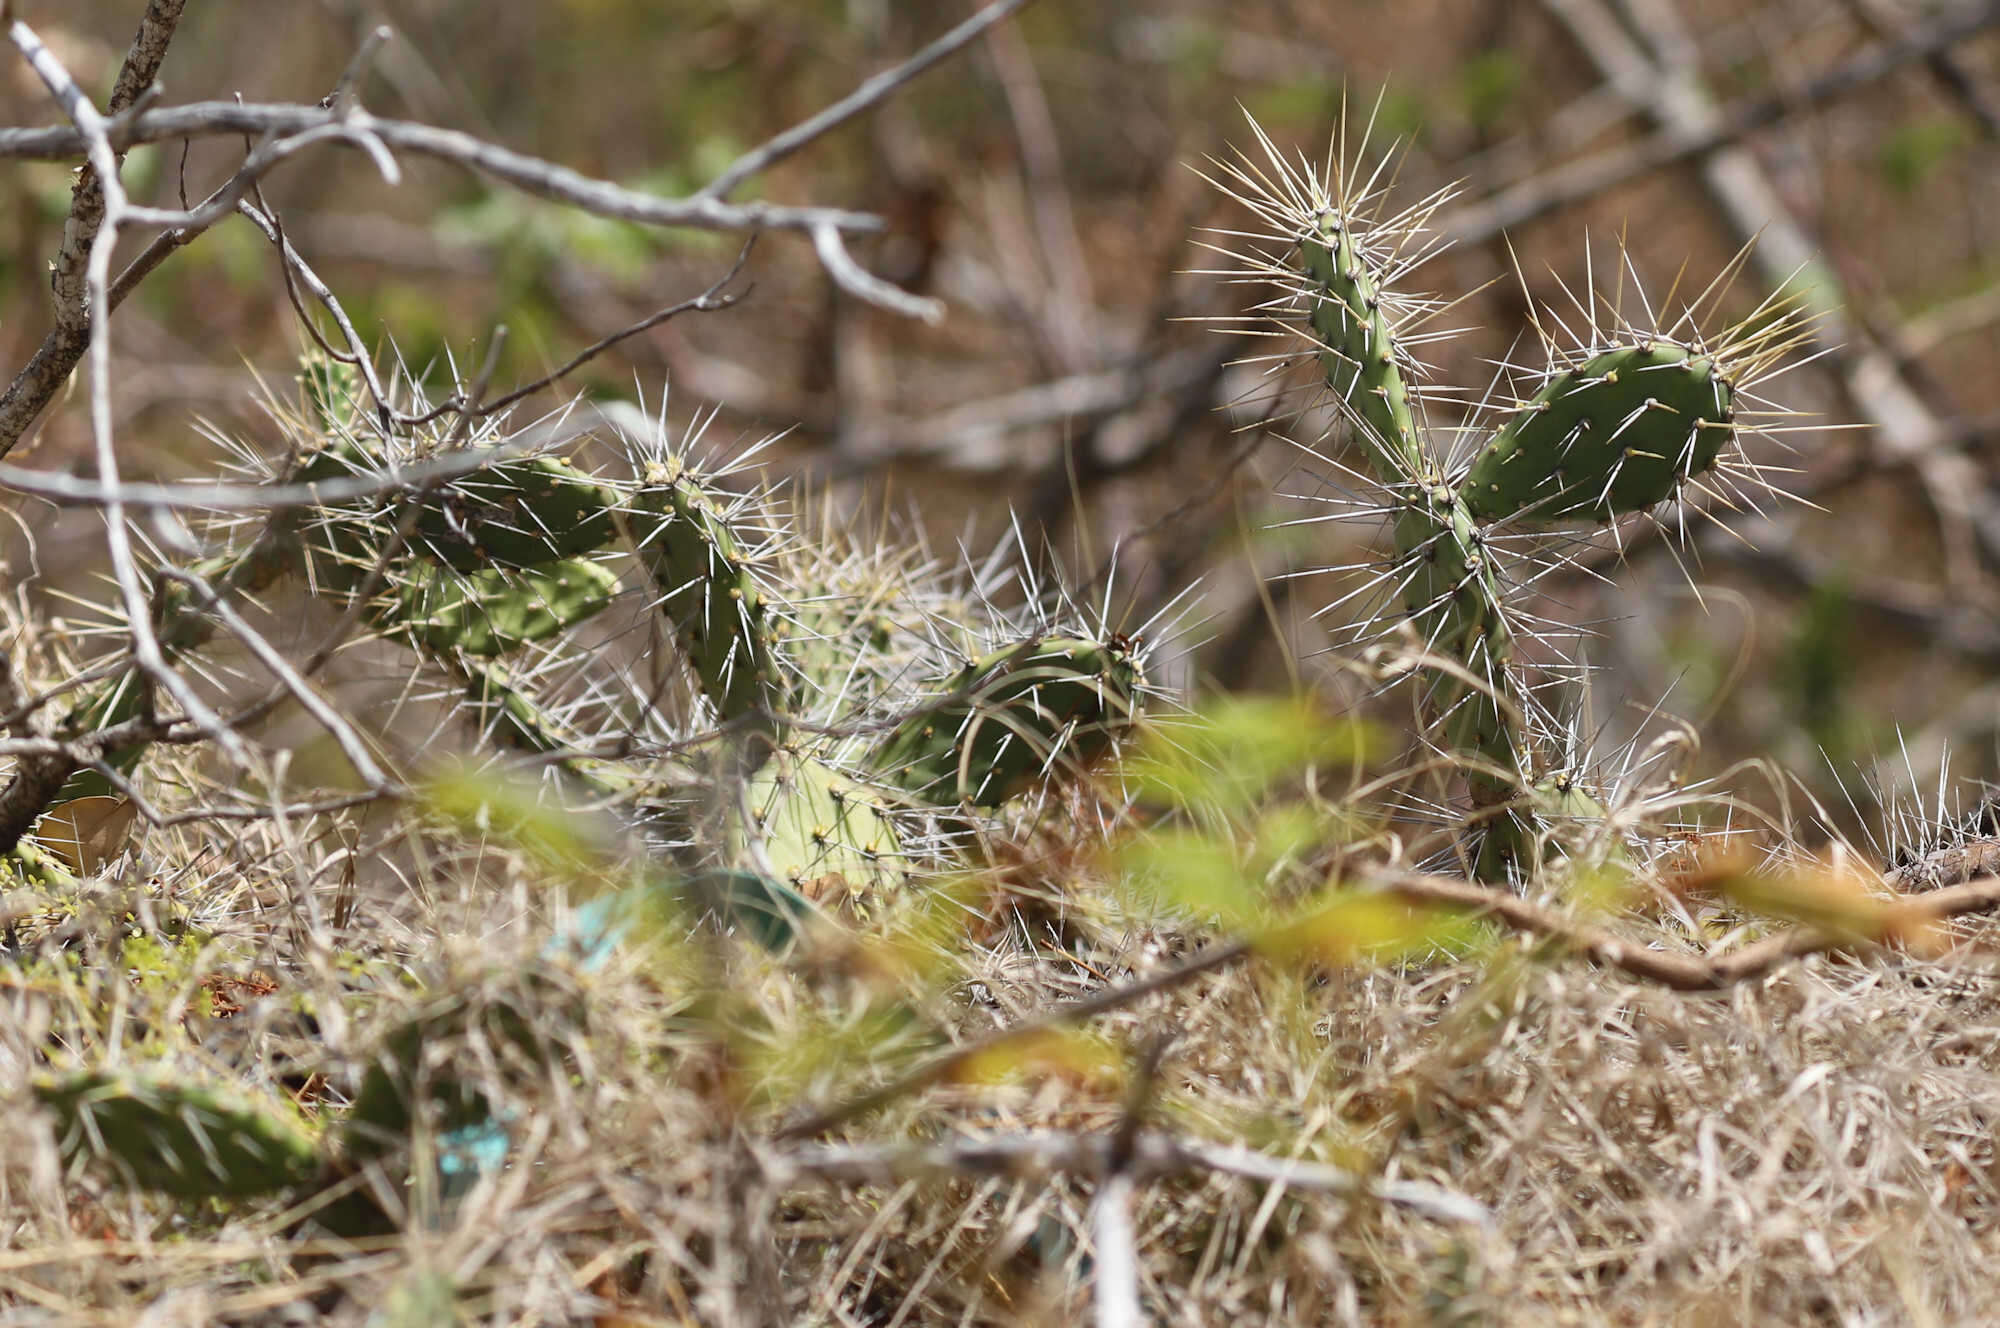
<point>1811,1147</point>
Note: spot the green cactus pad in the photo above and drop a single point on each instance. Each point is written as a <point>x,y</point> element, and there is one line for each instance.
<point>187,1140</point>
<point>497,611</point>
<point>29,865</point>
<point>336,461</point>
<point>819,828</point>
<point>1011,717</point>
<point>836,632</point>
<point>1618,433</point>
<point>519,513</point>
<point>714,602</point>
<point>1449,592</point>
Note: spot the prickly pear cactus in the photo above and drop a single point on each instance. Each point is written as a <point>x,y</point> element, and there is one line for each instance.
<point>710,593</point>
<point>188,1140</point>
<point>1451,595</point>
<point>1013,716</point>
<point>497,611</point>
<point>523,512</point>
<point>820,829</point>
<point>1638,417</point>
<point>1621,432</point>
<point>537,590</point>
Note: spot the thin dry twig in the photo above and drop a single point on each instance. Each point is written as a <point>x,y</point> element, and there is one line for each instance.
<point>146,649</point>
<point>393,479</point>
<point>285,130</point>
<point>1213,959</point>
<point>1678,972</point>
<point>1683,972</point>
<point>871,93</point>
<point>1153,1155</point>
<point>1600,172</point>
<point>531,175</point>
<point>1115,1281</point>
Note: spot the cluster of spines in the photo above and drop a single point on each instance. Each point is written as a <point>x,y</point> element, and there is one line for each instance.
<point>488,577</point>
<point>1013,717</point>
<point>707,585</point>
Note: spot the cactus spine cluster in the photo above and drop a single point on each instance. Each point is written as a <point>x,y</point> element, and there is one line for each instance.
<point>1619,425</point>
<point>491,578</point>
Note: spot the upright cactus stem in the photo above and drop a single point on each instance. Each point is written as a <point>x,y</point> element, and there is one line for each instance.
<point>710,594</point>
<point>1450,594</point>
<point>1358,351</point>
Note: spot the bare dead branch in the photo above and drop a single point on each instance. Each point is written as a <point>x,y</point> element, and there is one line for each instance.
<point>59,353</point>
<point>347,91</point>
<point>1953,75</point>
<point>145,645</point>
<point>1600,172</point>
<point>1067,315</point>
<point>393,479</point>
<point>286,130</point>
<point>38,774</point>
<point>1658,71</point>
<point>531,175</point>
<point>857,281</point>
<point>715,298</point>
<point>870,93</point>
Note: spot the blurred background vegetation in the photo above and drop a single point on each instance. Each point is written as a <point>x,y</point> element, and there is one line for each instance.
<point>1087,377</point>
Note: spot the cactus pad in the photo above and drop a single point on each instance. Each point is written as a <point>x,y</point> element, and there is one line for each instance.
<point>519,513</point>
<point>190,1141</point>
<point>819,829</point>
<point>497,611</point>
<point>1358,352</point>
<point>1618,433</point>
<point>709,593</point>
<point>1010,717</point>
